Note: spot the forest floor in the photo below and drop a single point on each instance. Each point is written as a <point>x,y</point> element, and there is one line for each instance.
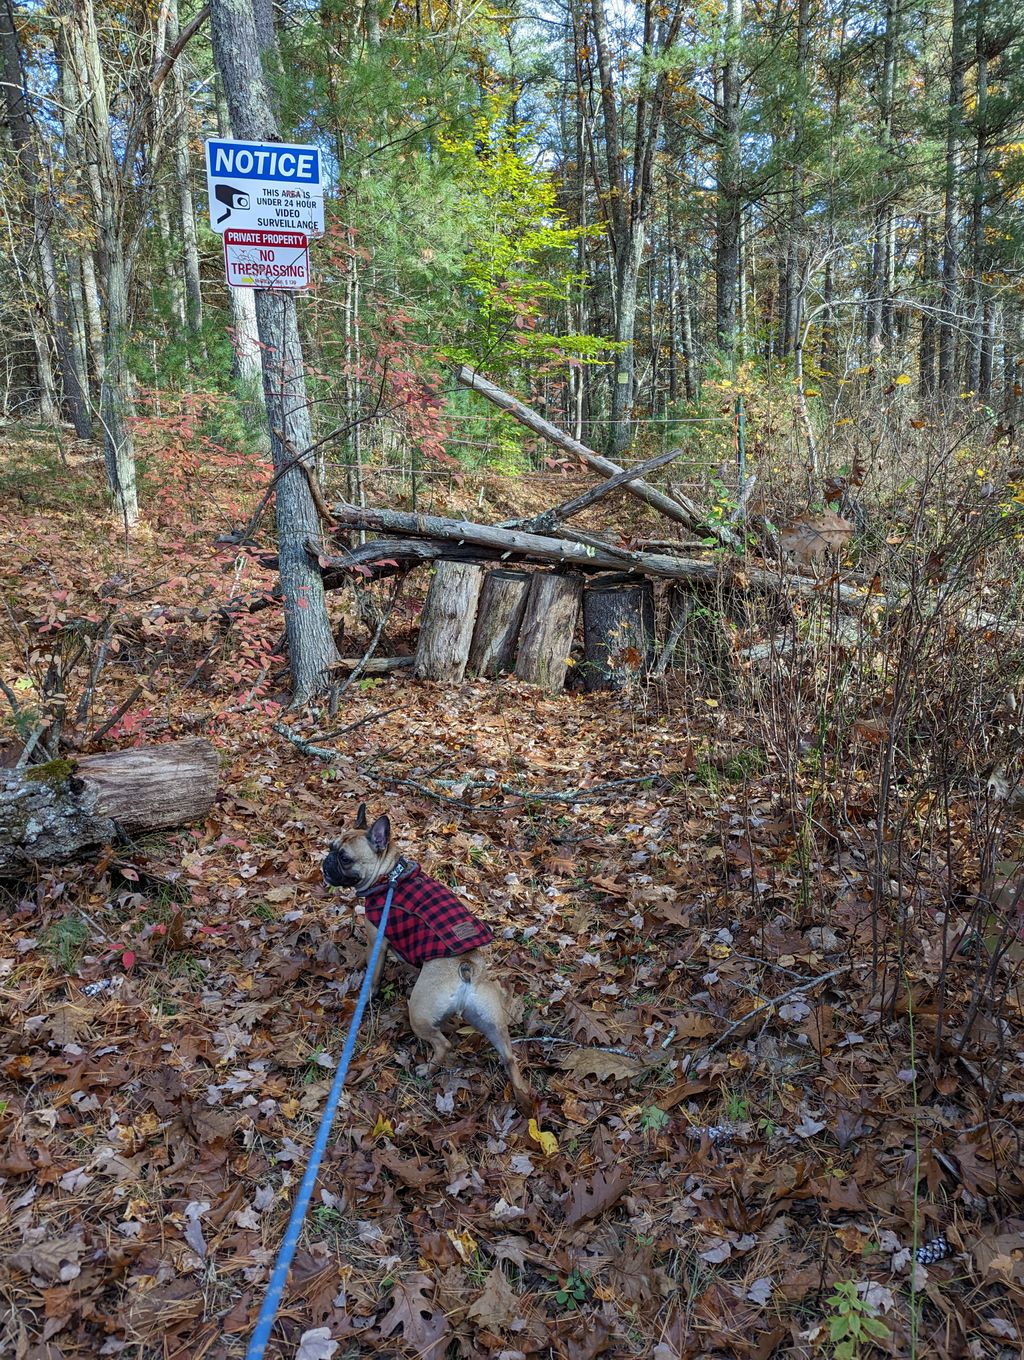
<point>744,1129</point>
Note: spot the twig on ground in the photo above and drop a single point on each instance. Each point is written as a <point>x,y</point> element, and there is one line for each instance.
<point>776,1001</point>
<point>30,746</point>
<point>84,709</point>
<point>360,722</point>
<point>116,717</point>
<point>306,747</point>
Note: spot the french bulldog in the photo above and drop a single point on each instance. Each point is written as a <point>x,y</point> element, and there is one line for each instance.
<point>431,929</point>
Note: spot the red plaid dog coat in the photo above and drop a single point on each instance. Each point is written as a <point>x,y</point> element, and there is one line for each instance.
<point>426,921</point>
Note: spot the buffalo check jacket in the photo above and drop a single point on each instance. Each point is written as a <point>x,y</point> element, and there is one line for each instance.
<point>426,921</point>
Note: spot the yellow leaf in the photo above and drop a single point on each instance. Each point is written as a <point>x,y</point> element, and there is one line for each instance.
<point>383,1128</point>
<point>548,1142</point>
<point>904,380</point>
<point>465,1244</point>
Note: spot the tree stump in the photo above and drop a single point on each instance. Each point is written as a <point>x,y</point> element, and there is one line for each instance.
<point>502,603</point>
<point>549,622</point>
<point>618,634</point>
<point>446,624</point>
<point>52,811</point>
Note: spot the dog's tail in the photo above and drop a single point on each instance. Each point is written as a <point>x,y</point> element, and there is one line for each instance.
<point>471,967</point>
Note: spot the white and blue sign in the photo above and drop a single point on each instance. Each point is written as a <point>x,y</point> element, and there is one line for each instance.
<point>265,186</point>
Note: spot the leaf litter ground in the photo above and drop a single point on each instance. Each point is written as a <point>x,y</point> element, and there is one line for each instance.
<point>741,1133</point>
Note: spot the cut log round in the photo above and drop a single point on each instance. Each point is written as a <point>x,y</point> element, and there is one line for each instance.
<point>51,812</point>
<point>446,624</point>
<point>502,602</point>
<point>545,638</point>
<point>618,634</point>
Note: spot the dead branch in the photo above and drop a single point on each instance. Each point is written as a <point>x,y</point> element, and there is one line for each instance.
<point>545,522</point>
<point>680,509</point>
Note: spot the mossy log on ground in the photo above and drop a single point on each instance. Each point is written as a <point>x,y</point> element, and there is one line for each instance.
<point>52,812</point>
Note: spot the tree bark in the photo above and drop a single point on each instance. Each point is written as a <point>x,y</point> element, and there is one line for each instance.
<point>681,510</point>
<point>499,617</point>
<point>618,634</point>
<point>549,622</point>
<point>311,648</point>
<point>446,624</point>
<point>51,812</point>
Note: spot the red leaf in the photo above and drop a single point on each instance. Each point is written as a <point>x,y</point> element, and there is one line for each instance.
<point>128,958</point>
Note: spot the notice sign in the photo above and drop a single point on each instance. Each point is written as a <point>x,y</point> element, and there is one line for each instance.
<point>266,259</point>
<point>265,186</point>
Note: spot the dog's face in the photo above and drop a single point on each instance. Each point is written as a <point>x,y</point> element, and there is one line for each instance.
<point>359,859</point>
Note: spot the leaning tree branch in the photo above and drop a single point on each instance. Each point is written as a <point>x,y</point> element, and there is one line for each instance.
<point>678,508</point>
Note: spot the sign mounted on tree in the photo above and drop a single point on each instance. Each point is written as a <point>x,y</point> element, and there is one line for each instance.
<point>265,186</point>
<point>266,259</point>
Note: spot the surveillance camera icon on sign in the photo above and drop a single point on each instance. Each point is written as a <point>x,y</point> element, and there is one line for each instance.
<point>233,200</point>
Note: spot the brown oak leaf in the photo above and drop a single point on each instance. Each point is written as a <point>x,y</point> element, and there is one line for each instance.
<point>424,1328</point>
<point>589,1200</point>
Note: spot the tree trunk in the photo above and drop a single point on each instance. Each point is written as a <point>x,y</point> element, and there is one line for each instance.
<point>502,602</point>
<point>183,184</point>
<point>729,186</point>
<point>618,634</point>
<point>929,328</point>
<point>22,140</point>
<point>51,812</point>
<point>242,301</point>
<point>950,214</point>
<point>976,379</point>
<point>115,400</point>
<point>446,624</point>
<point>311,648</point>
<point>549,622</point>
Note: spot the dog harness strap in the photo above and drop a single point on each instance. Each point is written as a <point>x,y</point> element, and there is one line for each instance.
<point>427,920</point>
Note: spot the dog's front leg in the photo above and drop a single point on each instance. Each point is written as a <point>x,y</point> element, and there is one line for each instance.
<point>371,939</point>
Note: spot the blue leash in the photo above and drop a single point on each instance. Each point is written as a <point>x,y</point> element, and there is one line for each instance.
<point>272,1299</point>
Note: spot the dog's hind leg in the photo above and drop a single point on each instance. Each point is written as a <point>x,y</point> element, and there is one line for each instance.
<point>485,1009</point>
<point>429,1006</point>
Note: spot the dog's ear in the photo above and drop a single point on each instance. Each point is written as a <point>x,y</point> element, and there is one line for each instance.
<point>379,835</point>
<point>361,822</point>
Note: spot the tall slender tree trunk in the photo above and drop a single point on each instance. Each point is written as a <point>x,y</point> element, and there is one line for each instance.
<point>311,649</point>
<point>242,301</point>
<point>45,267</point>
<point>980,374</point>
<point>792,289</point>
<point>949,304</point>
<point>880,307</point>
<point>183,183</point>
<point>728,228</point>
<point>929,324</point>
<point>115,396</point>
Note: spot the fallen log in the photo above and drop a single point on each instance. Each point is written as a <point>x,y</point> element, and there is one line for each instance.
<point>678,508</point>
<point>486,540</point>
<point>471,542</point>
<point>51,812</point>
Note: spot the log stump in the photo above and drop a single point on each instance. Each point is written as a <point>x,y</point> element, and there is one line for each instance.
<point>50,812</point>
<point>502,603</point>
<point>618,634</point>
<point>549,622</point>
<point>446,624</point>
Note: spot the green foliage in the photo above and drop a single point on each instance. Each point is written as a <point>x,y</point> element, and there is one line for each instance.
<point>852,1325</point>
<point>64,941</point>
<point>574,1292</point>
<point>654,1119</point>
